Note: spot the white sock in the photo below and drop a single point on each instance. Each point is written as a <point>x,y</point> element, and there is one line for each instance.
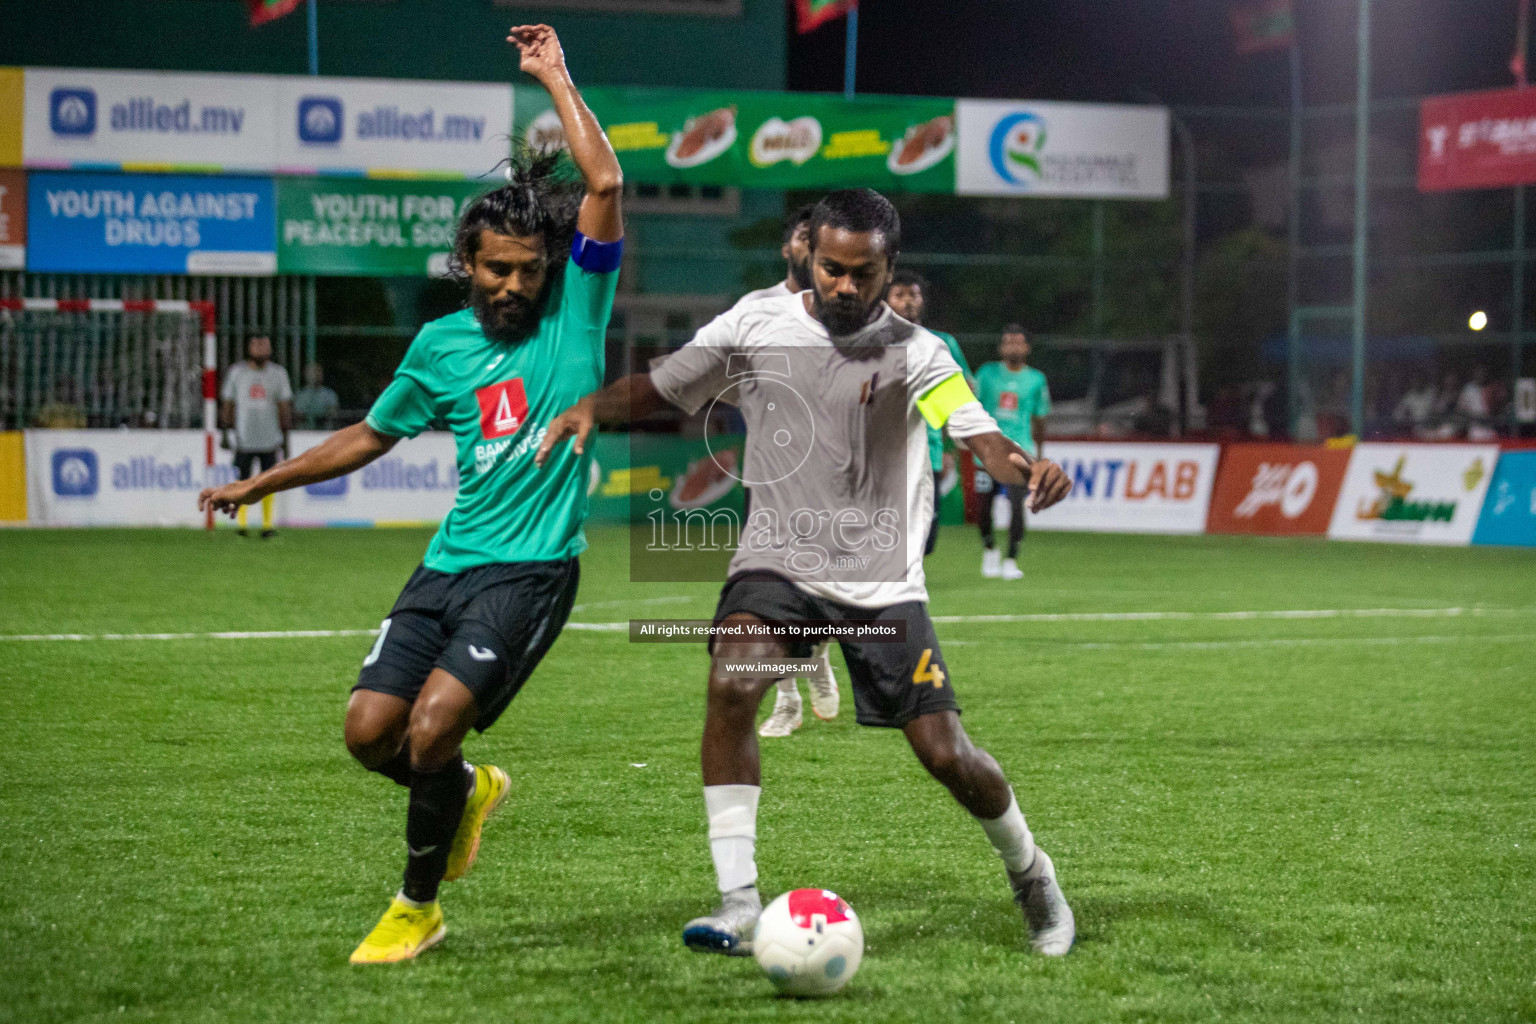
<point>788,688</point>
<point>1010,837</point>
<point>733,833</point>
<point>403,898</point>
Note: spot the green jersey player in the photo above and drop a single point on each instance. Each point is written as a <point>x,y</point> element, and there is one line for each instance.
<point>541,257</point>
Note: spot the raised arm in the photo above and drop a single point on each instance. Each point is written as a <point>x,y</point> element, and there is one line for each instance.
<point>625,400</point>
<point>349,449</point>
<point>601,218</point>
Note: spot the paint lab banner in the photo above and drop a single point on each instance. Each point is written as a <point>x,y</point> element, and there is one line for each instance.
<point>1277,489</point>
<point>13,219</point>
<point>150,224</point>
<point>765,139</point>
<point>164,121</point>
<point>1062,150</point>
<point>1509,512</point>
<point>1132,488</point>
<point>351,227</point>
<point>1413,493</point>
<point>1477,140</point>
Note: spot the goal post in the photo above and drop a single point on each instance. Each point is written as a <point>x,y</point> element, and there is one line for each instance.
<point>29,363</point>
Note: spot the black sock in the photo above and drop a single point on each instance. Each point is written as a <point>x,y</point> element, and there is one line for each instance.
<point>397,768</point>
<point>436,805</point>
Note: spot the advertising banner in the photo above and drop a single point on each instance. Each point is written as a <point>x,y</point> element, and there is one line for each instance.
<point>1277,489</point>
<point>387,126</point>
<point>1509,512</point>
<point>119,477</point>
<point>776,140</point>
<point>1477,140</point>
<point>13,219</point>
<point>1132,488</point>
<point>354,227</point>
<point>414,483</point>
<point>1067,150</point>
<point>154,224</point>
<point>1413,493</point>
<point>148,120</point>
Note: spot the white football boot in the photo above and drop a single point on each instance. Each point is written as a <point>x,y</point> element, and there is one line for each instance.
<point>1051,925</point>
<point>823,685</point>
<point>1011,570</point>
<point>729,929</point>
<point>992,564</point>
<point>786,717</point>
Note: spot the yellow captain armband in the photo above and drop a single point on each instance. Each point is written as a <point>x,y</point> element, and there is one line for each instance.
<point>943,399</point>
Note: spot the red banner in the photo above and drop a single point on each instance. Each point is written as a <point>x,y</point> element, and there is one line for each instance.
<point>1276,489</point>
<point>1477,140</point>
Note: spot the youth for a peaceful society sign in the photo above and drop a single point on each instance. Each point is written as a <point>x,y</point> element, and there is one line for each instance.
<point>369,227</point>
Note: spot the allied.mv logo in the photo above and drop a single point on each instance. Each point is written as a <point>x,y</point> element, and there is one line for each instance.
<point>503,408</point>
<point>75,473</point>
<point>72,111</point>
<point>320,120</point>
<point>1015,147</point>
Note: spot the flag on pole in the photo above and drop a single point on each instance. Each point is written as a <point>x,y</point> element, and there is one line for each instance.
<point>1266,25</point>
<point>814,13</point>
<point>263,11</point>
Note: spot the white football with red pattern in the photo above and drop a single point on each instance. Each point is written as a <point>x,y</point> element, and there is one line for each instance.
<point>809,942</point>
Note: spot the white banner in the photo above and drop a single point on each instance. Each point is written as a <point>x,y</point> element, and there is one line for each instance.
<point>1414,493</point>
<point>118,477</point>
<point>415,483</point>
<point>354,124</point>
<point>152,477</point>
<point>116,118</point>
<point>1132,488</point>
<point>1078,150</point>
<point>170,121</point>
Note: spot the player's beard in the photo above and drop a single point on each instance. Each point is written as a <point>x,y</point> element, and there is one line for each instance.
<point>841,317</point>
<point>511,319</point>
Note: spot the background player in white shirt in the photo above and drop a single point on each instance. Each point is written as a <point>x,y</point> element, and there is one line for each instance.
<point>257,403</point>
<point>835,389</point>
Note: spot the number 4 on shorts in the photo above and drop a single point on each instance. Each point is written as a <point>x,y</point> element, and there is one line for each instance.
<point>928,671</point>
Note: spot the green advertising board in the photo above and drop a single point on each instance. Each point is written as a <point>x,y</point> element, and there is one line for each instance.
<point>368,227</point>
<point>766,139</point>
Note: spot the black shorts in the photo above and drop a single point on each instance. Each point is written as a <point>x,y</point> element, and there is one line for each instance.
<point>248,464</point>
<point>893,683</point>
<point>488,627</point>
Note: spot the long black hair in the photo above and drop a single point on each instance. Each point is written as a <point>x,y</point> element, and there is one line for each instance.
<point>538,199</point>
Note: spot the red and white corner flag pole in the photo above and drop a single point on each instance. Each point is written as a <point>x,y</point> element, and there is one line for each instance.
<point>210,393</point>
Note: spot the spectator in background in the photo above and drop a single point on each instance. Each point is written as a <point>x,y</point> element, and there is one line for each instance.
<point>257,402</point>
<point>315,405</point>
<point>1472,405</point>
<point>1416,409</point>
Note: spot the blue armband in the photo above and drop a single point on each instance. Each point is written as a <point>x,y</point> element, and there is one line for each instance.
<point>596,257</point>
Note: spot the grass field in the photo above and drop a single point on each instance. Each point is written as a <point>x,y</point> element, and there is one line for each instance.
<point>1256,818</point>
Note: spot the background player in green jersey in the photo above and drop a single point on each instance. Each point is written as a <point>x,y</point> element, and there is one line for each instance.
<point>908,296</point>
<point>1016,395</point>
<point>541,257</point>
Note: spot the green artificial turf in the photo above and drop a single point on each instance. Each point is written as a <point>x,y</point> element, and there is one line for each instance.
<point>1267,819</point>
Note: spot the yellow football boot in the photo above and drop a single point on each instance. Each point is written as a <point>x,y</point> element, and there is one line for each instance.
<point>491,787</point>
<point>402,933</point>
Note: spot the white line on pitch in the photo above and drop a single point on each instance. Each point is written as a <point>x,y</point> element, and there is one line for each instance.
<point>1217,645</point>
<point>1301,613</point>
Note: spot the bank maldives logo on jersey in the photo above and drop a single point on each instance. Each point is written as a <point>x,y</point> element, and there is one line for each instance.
<point>503,408</point>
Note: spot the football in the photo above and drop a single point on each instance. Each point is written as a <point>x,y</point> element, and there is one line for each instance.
<point>809,942</point>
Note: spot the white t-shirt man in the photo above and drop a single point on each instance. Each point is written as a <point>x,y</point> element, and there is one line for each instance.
<point>256,393</point>
<point>849,523</point>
